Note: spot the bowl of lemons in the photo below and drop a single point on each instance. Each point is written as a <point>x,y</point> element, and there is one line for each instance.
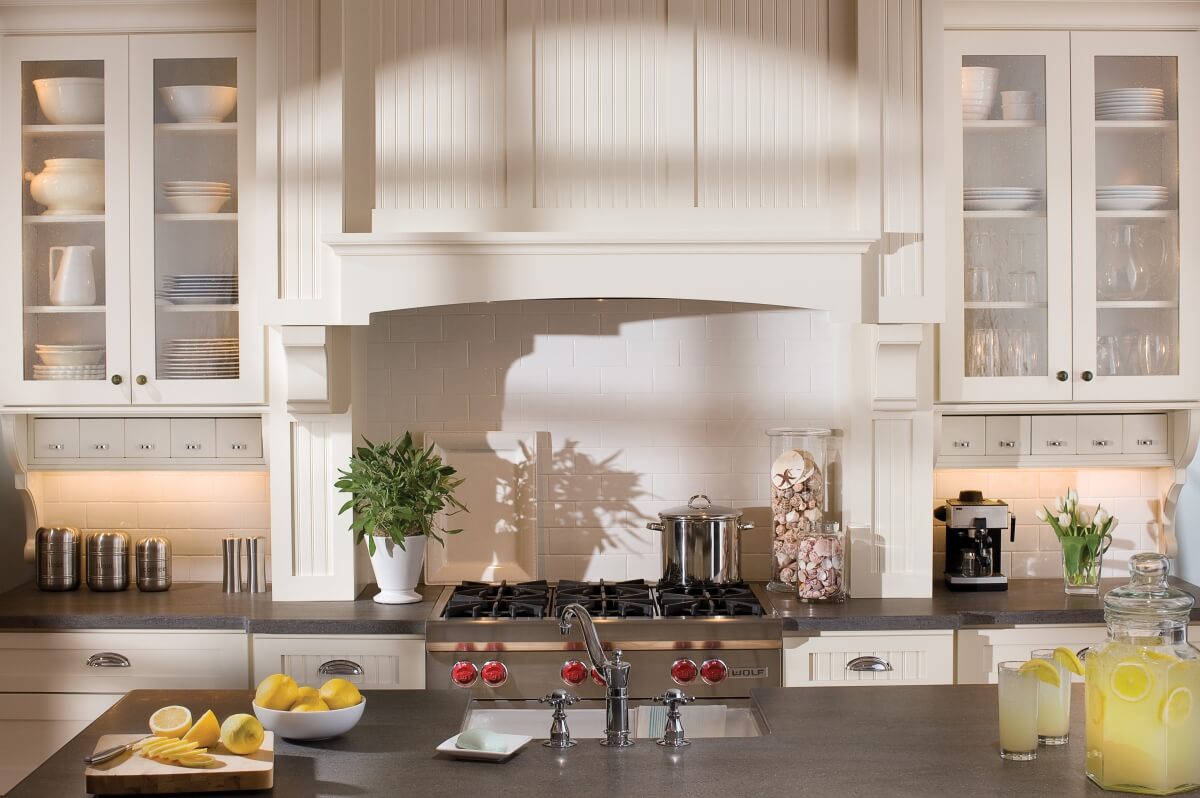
<point>297,712</point>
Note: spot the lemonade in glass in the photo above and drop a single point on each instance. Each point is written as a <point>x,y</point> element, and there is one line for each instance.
<point>1054,700</point>
<point>1017,688</point>
<point>1143,725</point>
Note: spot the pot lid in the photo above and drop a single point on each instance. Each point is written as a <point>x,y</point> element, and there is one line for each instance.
<point>701,508</point>
<point>1148,596</point>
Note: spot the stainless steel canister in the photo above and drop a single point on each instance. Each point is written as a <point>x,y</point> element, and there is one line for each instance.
<point>58,558</point>
<point>231,557</point>
<point>256,565</point>
<point>108,560</point>
<point>700,543</point>
<point>152,560</point>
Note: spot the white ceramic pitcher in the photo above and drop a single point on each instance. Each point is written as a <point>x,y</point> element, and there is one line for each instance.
<point>74,281</point>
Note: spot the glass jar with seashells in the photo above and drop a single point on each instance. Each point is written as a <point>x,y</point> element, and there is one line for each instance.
<point>799,460</point>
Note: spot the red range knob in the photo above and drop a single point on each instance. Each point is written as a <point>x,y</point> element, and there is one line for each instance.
<point>598,679</point>
<point>713,671</point>
<point>494,673</point>
<point>573,672</point>
<point>464,673</point>
<point>684,671</point>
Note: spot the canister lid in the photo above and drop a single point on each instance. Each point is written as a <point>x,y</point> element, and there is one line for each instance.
<point>700,508</point>
<point>1148,595</point>
<point>108,542</point>
<point>55,537</point>
<point>153,548</point>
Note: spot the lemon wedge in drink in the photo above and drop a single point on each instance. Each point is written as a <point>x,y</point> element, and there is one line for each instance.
<point>1177,707</point>
<point>1043,671</point>
<point>1131,681</point>
<point>1069,660</point>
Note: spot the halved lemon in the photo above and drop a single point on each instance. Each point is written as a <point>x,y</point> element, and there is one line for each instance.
<point>1043,671</point>
<point>1177,707</point>
<point>1131,681</point>
<point>1069,660</point>
<point>172,721</point>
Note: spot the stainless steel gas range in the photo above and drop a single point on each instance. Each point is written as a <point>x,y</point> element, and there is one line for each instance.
<point>504,641</point>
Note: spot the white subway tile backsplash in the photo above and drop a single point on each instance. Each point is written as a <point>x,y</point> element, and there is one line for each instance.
<point>443,408</point>
<point>415,328</point>
<point>441,354</point>
<point>520,327</point>
<point>630,326</point>
<point>469,381</point>
<point>626,379</point>
<point>491,354</point>
<point>574,324</point>
<point>784,325</point>
<point>600,351</point>
<point>653,353</point>
<point>580,379</point>
<point>478,328</point>
<point>417,381</point>
<point>546,351</point>
<point>727,326</point>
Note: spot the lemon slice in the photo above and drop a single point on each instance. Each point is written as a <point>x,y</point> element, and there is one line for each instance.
<point>1161,657</point>
<point>172,721</point>
<point>1177,707</point>
<point>1043,671</point>
<point>1095,706</point>
<point>1131,681</point>
<point>1068,659</point>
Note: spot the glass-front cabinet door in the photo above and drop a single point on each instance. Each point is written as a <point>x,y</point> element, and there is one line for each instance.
<point>191,188</point>
<point>1007,334</point>
<point>1136,124</point>
<point>64,220</point>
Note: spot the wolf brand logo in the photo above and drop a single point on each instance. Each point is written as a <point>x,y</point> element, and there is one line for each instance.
<point>747,673</point>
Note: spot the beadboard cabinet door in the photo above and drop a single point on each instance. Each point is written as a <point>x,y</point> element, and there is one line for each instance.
<point>840,659</point>
<point>373,662</point>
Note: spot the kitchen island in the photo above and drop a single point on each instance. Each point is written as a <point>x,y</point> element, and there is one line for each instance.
<point>846,742</point>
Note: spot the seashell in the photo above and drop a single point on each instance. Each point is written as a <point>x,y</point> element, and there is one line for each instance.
<point>793,466</point>
<point>823,547</point>
<point>792,517</point>
<point>812,514</point>
<point>787,575</point>
<point>788,493</point>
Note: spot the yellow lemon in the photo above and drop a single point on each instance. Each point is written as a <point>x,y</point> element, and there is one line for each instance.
<point>1131,681</point>
<point>277,691</point>
<point>241,734</point>
<point>1095,706</point>
<point>310,705</point>
<point>172,721</point>
<point>306,694</point>
<point>1161,657</point>
<point>205,732</point>
<point>1069,660</point>
<point>339,694</point>
<point>1043,671</point>
<point>1177,707</point>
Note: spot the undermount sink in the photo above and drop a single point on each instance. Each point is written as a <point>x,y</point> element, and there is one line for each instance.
<point>586,720</point>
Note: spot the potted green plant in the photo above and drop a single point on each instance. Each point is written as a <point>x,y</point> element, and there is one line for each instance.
<point>398,490</point>
<point>1084,537</point>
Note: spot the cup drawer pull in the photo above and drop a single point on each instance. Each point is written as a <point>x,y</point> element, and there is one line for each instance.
<point>1102,443</point>
<point>868,665</point>
<point>1007,444</point>
<point>108,659</point>
<point>1056,444</point>
<point>340,667</point>
<point>962,444</point>
<point>1145,441</point>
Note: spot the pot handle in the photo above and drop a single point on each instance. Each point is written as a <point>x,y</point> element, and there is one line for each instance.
<point>692,501</point>
<point>746,525</point>
<point>655,526</point>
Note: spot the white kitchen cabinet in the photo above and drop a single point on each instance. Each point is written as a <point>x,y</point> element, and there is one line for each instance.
<point>170,314</point>
<point>375,662</point>
<point>35,725</point>
<point>849,658</point>
<point>980,650</point>
<point>136,443</point>
<point>1071,294</point>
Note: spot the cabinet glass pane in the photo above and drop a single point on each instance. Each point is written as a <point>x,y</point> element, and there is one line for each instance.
<point>1004,215</point>
<point>196,219</point>
<point>1137,224</point>
<point>62,246</point>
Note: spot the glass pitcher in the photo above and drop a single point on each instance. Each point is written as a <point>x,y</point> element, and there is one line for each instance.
<point>1142,688</point>
<point>1135,258</point>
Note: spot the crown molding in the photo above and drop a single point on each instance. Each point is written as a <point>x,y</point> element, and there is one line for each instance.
<point>124,16</point>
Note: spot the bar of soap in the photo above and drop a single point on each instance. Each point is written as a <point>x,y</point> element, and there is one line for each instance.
<point>482,740</point>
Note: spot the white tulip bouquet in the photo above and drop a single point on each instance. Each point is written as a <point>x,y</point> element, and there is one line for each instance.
<point>1084,536</point>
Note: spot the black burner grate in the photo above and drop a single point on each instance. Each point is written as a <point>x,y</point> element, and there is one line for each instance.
<point>606,599</point>
<point>481,600</point>
<point>707,601</point>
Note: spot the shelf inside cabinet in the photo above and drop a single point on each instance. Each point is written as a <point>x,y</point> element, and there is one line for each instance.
<point>1003,124</point>
<point>165,308</point>
<point>83,218</point>
<point>1137,304</point>
<point>1167,214</point>
<point>62,131</point>
<point>39,309</point>
<point>196,127</point>
<point>198,217</point>
<point>1003,214</point>
<point>1132,124</point>
<point>1004,305</point>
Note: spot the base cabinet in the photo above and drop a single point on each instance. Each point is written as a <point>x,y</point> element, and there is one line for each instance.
<point>373,662</point>
<point>829,659</point>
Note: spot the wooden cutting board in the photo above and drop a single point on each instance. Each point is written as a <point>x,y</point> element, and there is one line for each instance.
<point>130,774</point>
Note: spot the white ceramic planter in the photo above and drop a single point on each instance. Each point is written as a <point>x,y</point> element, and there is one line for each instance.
<point>397,571</point>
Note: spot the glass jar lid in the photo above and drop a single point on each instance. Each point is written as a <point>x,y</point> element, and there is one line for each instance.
<point>812,432</point>
<point>1148,596</point>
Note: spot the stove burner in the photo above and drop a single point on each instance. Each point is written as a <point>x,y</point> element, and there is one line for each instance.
<point>606,599</point>
<point>481,600</point>
<point>707,601</point>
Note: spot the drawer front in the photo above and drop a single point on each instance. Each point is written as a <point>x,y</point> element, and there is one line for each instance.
<point>393,662</point>
<point>963,436</point>
<point>1054,435</point>
<point>239,437</point>
<point>981,650</point>
<point>1145,433</point>
<point>1099,434</point>
<point>193,437</point>
<point>58,662</point>
<point>148,437</point>
<point>101,437</point>
<point>834,659</point>
<point>55,437</point>
<point>1007,435</point>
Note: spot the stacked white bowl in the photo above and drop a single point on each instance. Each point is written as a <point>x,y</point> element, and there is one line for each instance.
<point>979,91</point>
<point>196,196</point>
<point>1020,105</point>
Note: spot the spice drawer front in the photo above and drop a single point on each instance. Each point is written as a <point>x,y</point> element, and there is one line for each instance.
<point>374,662</point>
<point>840,659</point>
<point>119,661</point>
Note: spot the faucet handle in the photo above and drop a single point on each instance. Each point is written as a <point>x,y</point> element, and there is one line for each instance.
<point>673,734</point>
<point>674,699</point>
<point>559,699</point>
<point>560,735</point>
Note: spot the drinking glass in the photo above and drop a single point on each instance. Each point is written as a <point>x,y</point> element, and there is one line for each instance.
<point>1019,352</point>
<point>1153,352</point>
<point>983,353</point>
<point>1018,712</point>
<point>981,284</point>
<point>1107,358</point>
<point>1054,703</point>
<point>1023,286</point>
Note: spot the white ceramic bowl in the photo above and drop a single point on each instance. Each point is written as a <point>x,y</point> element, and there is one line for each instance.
<point>1018,96</point>
<point>83,358</point>
<point>71,101</point>
<point>193,203</point>
<point>310,725</point>
<point>1019,111</point>
<point>199,103</point>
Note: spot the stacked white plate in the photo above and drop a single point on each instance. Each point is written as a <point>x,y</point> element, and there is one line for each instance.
<point>196,196</point>
<point>1130,105</point>
<point>70,355</point>
<point>200,289</point>
<point>1131,198</point>
<point>199,359</point>
<point>1001,198</point>
<point>68,372</point>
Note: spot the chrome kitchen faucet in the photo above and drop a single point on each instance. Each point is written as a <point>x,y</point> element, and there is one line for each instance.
<point>614,671</point>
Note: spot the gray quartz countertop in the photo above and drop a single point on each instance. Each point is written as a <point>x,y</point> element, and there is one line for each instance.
<point>850,742</point>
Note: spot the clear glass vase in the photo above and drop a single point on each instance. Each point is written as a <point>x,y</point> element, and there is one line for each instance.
<point>1083,556</point>
<point>799,461</point>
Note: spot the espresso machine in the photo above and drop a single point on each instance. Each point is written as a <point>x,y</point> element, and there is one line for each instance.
<point>974,529</point>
